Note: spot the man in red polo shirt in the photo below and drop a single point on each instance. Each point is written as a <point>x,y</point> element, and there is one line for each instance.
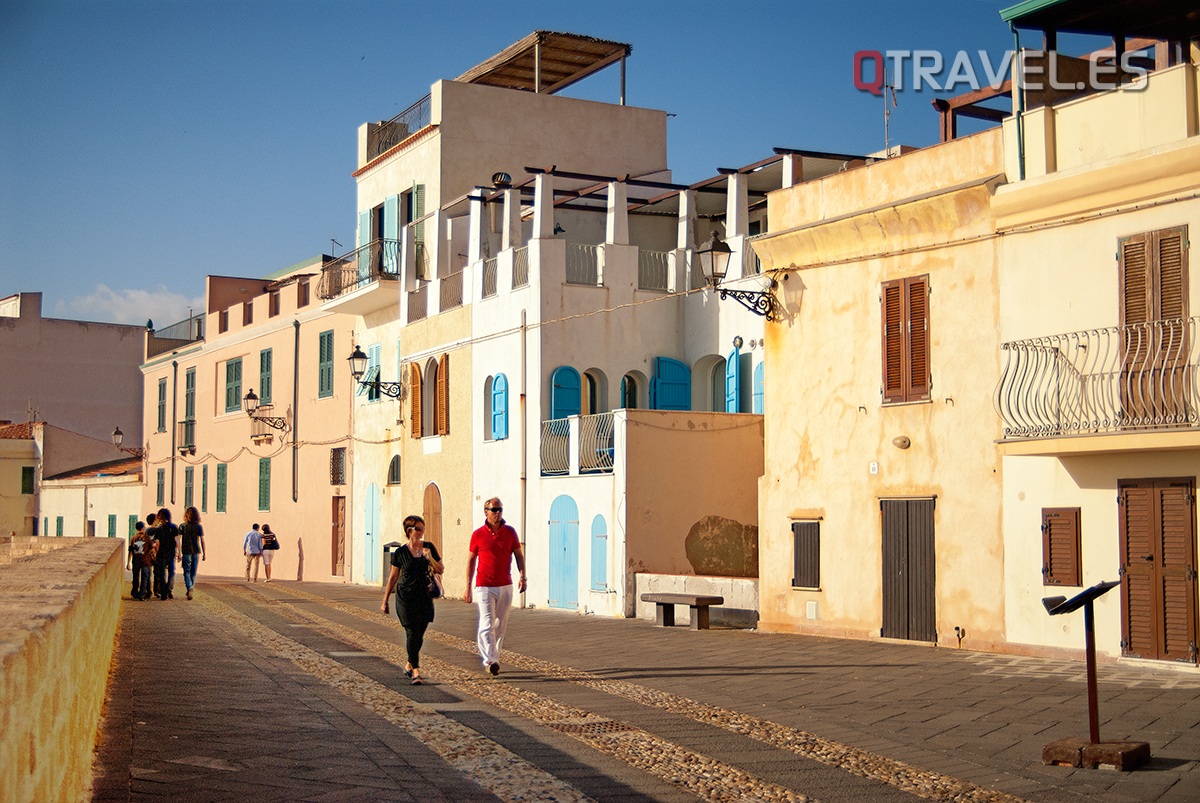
<point>493,547</point>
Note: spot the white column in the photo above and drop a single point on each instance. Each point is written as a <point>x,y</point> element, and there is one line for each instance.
<point>543,206</point>
<point>512,233</point>
<point>737,207</point>
<point>617,221</point>
<point>475,231</point>
<point>793,169</point>
<point>687,220</point>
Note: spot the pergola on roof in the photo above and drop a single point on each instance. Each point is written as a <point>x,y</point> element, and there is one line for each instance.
<point>547,62</point>
<point>1154,19</point>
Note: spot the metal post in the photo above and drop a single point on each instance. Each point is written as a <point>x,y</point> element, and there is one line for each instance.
<point>1089,629</point>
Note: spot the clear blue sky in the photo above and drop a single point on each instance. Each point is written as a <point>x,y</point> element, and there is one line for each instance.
<point>146,144</point>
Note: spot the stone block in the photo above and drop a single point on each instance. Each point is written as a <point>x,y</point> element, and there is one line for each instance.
<point>1124,756</point>
<point>1065,752</point>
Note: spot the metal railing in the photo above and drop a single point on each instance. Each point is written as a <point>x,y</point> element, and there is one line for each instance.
<point>489,277</point>
<point>450,291</point>
<point>418,303</point>
<point>1140,376</point>
<point>375,261</point>
<point>583,264</point>
<point>653,267</point>
<point>188,329</point>
<point>556,447</point>
<point>520,267</point>
<point>751,264</point>
<point>399,128</point>
<point>596,444</point>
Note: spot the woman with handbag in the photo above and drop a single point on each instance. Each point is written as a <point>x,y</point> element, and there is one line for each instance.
<point>270,543</point>
<point>415,570</point>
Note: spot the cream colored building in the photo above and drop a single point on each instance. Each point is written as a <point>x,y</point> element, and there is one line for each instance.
<point>290,464</point>
<point>99,501</point>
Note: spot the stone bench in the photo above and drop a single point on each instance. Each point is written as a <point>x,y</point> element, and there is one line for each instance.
<point>664,614</point>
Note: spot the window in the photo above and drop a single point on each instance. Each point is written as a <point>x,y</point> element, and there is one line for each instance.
<point>221,473</point>
<point>27,475</point>
<point>806,554</point>
<point>189,395</point>
<point>1060,547</point>
<point>495,405</point>
<point>302,293</point>
<point>442,402</point>
<point>264,376</point>
<point>733,382</point>
<point>133,520</point>
<point>325,366</point>
<point>905,316</point>
<point>233,385</point>
<point>162,405</point>
<point>58,526</point>
<point>431,398</point>
<point>273,304</point>
<point>337,466</point>
<point>112,525</point>
<point>759,389</point>
<point>394,471</point>
<point>671,386</point>
<point>189,483</point>
<point>247,313</point>
<point>373,360</point>
<point>415,399</point>
<point>160,488</point>
<point>566,397</point>
<point>204,488</point>
<point>264,483</point>
<point>223,321</point>
<point>629,392</point>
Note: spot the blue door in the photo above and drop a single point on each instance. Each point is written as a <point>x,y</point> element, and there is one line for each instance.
<point>733,383</point>
<point>371,543</point>
<point>671,387</point>
<point>599,554</point>
<point>564,553</point>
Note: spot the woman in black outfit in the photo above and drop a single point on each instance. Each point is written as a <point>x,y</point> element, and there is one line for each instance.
<point>413,567</point>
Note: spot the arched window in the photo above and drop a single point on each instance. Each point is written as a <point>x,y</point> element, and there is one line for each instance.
<point>434,405</point>
<point>394,471</point>
<point>495,405</point>
<point>671,387</point>
<point>429,398</point>
<point>487,408</point>
<point>595,392</point>
<point>633,390</point>
<point>565,398</point>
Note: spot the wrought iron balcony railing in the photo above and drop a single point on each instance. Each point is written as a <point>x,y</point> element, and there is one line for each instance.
<point>399,128</point>
<point>375,261</point>
<point>1137,377</point>
<point>185,435</point>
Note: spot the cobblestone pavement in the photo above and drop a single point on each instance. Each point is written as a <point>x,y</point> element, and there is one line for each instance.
<point>295,691</point>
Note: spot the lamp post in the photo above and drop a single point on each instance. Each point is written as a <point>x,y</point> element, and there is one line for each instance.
<point>714,258</point>
<point>118,437</point>
<point>358,366</point>
<point>250,405</point>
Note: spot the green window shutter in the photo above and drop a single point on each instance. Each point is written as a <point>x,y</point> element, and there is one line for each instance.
<point>160,495</point>
<point>264,483</point>
<point>233,385</point>
<point>204,488</point>
<point>189,483</point>
<point>58,526</point>
<point>325,366</point>
<point>45,525</point>
<point>27,475</point>
<point>264,376</point>
<point>112,525</point>
<point>189,395</point>
<point>133,520</point>
<point>221,471</point>
<point>162,405</point>
<point>373,364</point>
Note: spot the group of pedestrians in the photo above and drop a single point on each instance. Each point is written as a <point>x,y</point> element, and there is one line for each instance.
<point>416,578</point>
<point>260,545</point>
<point>157,545</point>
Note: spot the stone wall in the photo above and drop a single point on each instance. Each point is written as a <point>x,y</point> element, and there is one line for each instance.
<point>20,546</point>
<point>57,631</point>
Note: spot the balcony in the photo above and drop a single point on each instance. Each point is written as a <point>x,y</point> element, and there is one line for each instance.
<point>578,445</point>
<point>359,282</point>
<point>185,436</point>
<point>1142,378</point>
<point>399,128</point>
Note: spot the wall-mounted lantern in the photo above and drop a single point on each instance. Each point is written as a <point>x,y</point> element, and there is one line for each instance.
<point>714,258</point>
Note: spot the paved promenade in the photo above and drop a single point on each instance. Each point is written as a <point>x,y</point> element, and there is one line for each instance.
<point>295,691</point>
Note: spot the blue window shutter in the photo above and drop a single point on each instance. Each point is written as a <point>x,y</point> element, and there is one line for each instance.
<point>364,237</point>
<point>671,387</point>
<point>389,257</point>
<point>499,407</point>
<point>758,389</point>
<point>599,554</point>
<point>733,379</point>
<point>565,398</point>
<point>374,358</point>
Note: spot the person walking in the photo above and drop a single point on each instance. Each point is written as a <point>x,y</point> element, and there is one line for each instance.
<point>252,549</point>
<point>167,536</point>
<point>139,547</point>
<point>413,568</point>
<point>493,547</point>
<point>191,536</point>
<point>270,543</point>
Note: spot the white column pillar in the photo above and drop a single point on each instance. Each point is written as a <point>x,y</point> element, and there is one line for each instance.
<point>793,169</point>
<point>512,236</point>
<point>687,220</point>
<point>737,207</point>
<point>543,206</point>
<point>617,220</point>
<point>475,231</point>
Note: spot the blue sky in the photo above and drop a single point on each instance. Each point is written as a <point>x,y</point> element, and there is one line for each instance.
<point>144,145</point>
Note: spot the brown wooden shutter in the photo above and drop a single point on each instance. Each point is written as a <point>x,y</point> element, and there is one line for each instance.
<point>1138,619</point>
<point>1136,287</point>
<point>917,309</point>
<point>414,397</point>
<point>1177,564</point>
<point>806,554</point>
<point>1170,252</point>
<point>892,299</point>
<point>443,395</point>
<point>1061,563</point>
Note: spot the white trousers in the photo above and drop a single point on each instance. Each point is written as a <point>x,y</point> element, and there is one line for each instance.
<point>494,603</point>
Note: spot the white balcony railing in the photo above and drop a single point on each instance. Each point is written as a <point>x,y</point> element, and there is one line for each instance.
<point>450,291</point>
<point>578,445</point>
<point>489,277</point>
<point>520,267</point>
<point>653,269</point>
<point>583,264</point>
<point>418,303</point>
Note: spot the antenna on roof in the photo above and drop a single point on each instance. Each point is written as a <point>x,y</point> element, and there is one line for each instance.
<point>889,89</point>
<point>332,243</point>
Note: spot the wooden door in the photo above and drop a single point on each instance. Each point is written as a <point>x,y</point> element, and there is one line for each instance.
<point>1158,568</point>
<point>338,549</point>
<point>909,609</point>
<point>432,513</point>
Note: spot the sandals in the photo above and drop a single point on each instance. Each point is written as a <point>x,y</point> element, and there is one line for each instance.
<point>416,681</point>
<point>408,673</point>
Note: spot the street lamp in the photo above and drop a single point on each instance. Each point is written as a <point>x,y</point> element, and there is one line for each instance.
<point>714,258</point>
<point>358,366</point>
<point>118,437</point>
<point>250,405</point>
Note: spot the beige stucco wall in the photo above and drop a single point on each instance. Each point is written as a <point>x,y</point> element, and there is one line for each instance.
<point>827,433</point>
<point>93,499</point>
<point>17,509</point>
<point>79,375</point>
<point>56,641</point>
<point>301,494</point>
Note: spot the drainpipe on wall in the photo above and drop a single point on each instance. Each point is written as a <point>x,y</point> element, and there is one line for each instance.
<point>174,420</point>
<point>1018,95</point>
<point>524,451</point>
<point>295,410</point>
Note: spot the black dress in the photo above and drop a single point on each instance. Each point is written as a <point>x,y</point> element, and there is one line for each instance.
<point>413,604</point>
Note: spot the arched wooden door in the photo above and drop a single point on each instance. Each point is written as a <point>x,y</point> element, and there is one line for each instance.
<point>431,511</point>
